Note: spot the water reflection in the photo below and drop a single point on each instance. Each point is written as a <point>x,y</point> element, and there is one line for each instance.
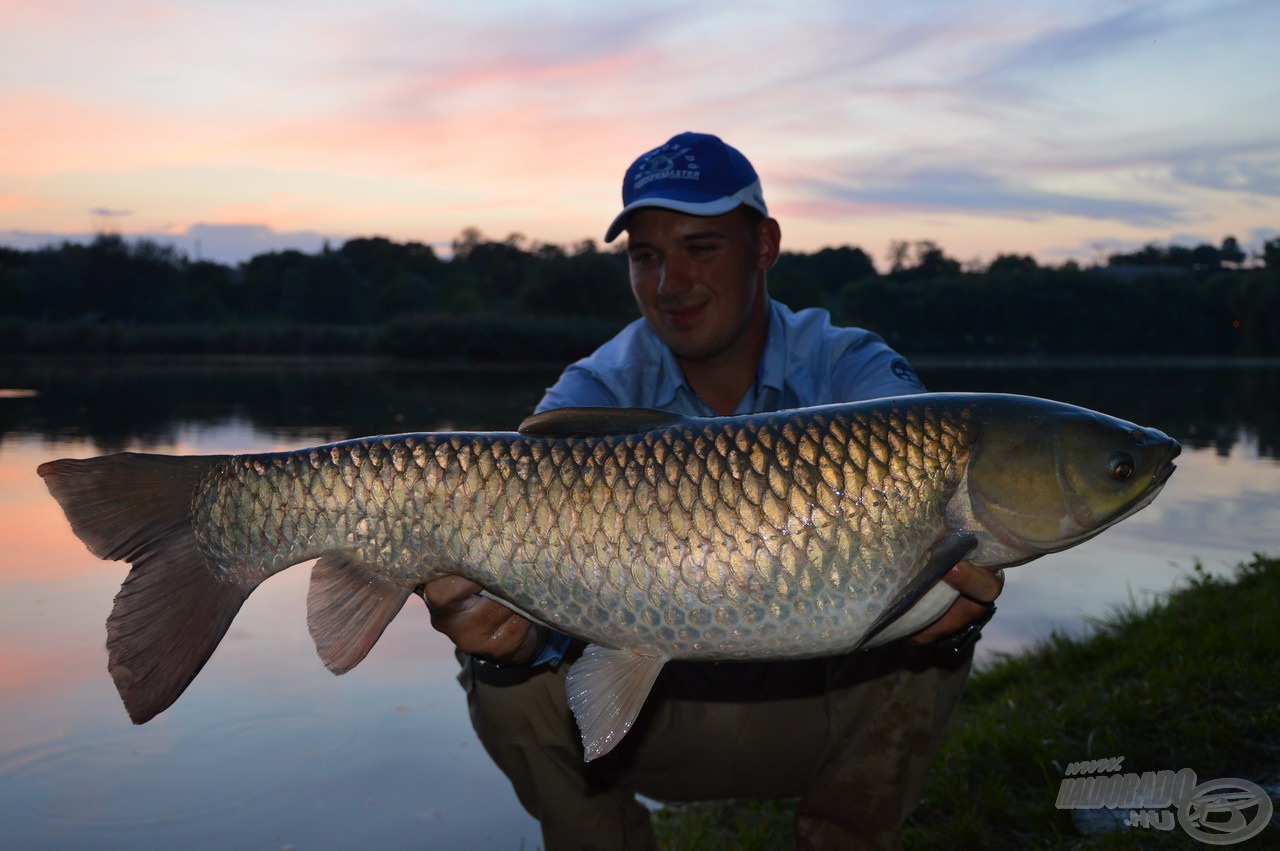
<point>267,749</point>
<point>144,404</point>
<point>1204,406</point>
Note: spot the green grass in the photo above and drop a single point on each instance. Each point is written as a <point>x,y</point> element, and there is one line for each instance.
<point>1188,683</point>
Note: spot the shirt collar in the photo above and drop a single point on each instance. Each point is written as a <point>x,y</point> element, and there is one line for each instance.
<point>771,375</point>
<point>773,364</point>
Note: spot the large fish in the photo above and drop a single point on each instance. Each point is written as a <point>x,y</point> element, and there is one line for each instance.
<point>649,535</point>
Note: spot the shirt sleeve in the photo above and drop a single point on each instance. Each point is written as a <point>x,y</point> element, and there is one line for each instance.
<point>553,651</point>
<point>576,387</point>
<point>869,369</point>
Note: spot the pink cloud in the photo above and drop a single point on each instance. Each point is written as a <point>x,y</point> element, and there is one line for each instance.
<point>19,203</point>
<point>50,133</point>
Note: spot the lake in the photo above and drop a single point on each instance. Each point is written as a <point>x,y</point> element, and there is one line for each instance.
<point>268,750</point>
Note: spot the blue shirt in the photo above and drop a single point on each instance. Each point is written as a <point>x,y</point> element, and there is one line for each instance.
<point>806,361</point>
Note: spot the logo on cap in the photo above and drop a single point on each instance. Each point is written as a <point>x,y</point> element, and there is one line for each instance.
<point>670,162</point>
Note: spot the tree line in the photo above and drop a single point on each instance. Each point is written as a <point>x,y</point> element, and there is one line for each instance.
<point>515,298</point>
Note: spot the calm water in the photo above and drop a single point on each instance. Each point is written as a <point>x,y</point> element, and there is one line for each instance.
<point>268,750</point>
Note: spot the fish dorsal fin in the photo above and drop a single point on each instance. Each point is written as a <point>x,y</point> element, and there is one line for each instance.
<point>592,422</point>
<point>348,607</point>
<point>942,556</point>
<point>606,690</point>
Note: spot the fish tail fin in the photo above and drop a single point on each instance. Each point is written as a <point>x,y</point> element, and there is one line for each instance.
<point>173,609</point>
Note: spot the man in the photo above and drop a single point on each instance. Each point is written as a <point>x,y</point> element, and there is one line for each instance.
<point>852,735</point>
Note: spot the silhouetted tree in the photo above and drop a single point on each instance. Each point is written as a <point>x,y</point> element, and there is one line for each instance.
<point>587,282</point>
<point>380,260</point>
<point>326,289</point>
<point>1006,264</point>
<point>1157,300</point>
<point>922,260</point>
<point>1271,254</point>
<point>798,290</point>
<point>261,285</point>
<point>816,280</point>
<point>211,290</point>
<point>1231,252</point>
<point>496,271</point>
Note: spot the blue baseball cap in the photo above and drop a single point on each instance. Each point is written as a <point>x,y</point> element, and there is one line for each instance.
<point>694,173</point>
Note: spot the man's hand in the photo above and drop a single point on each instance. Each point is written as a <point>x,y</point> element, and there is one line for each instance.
<point>480,626</point>
<point>978,589</point>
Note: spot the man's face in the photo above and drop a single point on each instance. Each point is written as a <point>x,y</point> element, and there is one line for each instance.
<point>699,279</point>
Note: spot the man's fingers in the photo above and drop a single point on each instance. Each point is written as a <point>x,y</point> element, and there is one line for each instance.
<point>448,591</point>
<point>500,622</point>
<point>478,625</point>
<point>978,589</point>
<point>976,583</point>
<point>962,613</point>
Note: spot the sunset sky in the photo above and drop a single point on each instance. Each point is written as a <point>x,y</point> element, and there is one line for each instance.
<point>1063,130</point>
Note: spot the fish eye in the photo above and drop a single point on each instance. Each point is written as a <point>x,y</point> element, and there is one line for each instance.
<point>1122,466</point>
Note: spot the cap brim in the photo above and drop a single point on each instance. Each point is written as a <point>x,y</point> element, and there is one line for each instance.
<point>713,207</point>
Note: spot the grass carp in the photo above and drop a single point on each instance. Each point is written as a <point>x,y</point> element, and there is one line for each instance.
<point>649,535</point>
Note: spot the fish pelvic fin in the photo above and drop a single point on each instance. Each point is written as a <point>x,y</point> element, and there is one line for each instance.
<point>348,607</point>
<point>606,690</point>
<point>173,609</point>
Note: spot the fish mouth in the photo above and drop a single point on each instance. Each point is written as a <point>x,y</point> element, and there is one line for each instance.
<point>1166,468</point>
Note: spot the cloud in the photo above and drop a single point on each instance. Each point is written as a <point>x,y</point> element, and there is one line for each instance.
<point>972,191</point>
<point>1057,47</point>
<point>1256,177</point>
<point>235,243</point>
<point>108,213</point>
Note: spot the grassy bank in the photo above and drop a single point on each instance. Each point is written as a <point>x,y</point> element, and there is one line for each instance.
<point>1188,683</point>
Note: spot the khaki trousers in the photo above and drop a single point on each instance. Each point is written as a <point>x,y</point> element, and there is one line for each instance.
<point>851,736</point>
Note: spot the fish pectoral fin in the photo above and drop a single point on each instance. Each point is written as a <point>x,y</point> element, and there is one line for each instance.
<point>590,422</point>
<point>932,605</point>
<point>348,607</point>
<point>945,553</point>
<point>606,690</point>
